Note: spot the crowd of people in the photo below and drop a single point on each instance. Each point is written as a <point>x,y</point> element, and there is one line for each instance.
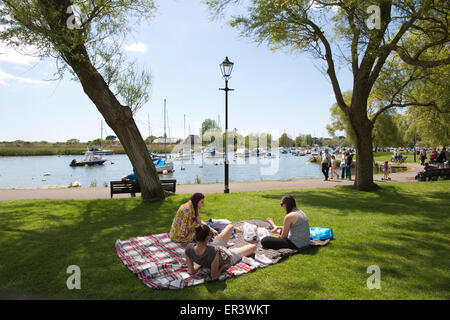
<point>437,159</point>
<point>330,163</point>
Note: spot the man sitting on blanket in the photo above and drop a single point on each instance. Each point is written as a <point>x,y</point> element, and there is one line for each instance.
<point>215,255</point>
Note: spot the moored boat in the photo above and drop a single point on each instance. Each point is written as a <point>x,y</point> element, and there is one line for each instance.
<point>91,159</point>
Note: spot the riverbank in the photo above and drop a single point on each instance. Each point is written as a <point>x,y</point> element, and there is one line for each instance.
<point>24,149</point>
<point>91,193</point>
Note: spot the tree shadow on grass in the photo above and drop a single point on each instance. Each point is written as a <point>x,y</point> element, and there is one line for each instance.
<point>79,233</point>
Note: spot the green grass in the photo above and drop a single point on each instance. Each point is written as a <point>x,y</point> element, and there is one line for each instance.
<point>386,156</point>
<point>403,228</point>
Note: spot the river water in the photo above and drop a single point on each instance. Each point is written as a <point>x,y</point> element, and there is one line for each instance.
<point>28,172</point>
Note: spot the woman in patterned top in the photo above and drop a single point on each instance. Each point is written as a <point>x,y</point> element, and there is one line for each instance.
<point>186,219</point>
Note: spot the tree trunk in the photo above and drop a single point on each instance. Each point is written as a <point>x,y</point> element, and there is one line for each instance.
<point>120,119</point>
<point>364,155</point>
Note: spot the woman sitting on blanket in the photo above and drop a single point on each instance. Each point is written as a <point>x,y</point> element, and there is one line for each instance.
<point>295,229</point>
<point>186,219</point>
<point>215,255</point>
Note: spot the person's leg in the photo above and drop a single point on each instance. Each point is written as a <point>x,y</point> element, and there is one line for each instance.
<point>276,243</point>
<point>247,250</point>
<point>342,173</point>
<point>226,234</point>
<point>323,170</point>
<point>349,172</point>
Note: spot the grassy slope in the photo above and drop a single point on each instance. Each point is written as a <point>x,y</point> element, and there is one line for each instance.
<point>403,229</point>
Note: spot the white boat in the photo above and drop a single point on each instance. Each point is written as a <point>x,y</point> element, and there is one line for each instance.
<point>242,152</point>
<point>258,152</point>
<point>162,165</point>
<point>212,153</point>
<point>90,160</point>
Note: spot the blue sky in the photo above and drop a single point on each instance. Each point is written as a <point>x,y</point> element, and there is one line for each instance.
<point>183,48</point>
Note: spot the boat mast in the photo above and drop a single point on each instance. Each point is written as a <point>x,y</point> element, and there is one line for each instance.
<point>101,133</point>
<point>165,136</point>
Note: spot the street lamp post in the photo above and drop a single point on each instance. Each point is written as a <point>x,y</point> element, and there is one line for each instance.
<point>226,67</point>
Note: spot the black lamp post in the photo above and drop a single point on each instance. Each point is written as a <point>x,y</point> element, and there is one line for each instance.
<point>226,67</point>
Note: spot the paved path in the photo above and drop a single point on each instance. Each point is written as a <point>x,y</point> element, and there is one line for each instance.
<point>103,192</point>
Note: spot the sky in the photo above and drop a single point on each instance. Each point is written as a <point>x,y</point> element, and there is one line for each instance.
<point>182,47</point>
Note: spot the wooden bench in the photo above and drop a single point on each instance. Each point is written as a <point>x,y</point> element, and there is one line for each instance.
<point>433,174</point>
<point>130,186</point>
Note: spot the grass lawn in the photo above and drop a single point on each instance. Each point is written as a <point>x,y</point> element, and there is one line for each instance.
<point>386,156</point>
<point>403,229</point>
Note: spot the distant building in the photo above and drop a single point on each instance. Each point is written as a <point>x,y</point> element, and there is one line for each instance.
<point>165,141</point>
<point>192,140</point>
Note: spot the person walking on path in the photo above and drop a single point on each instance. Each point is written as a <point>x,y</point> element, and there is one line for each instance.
<point>326,163</point>
<point>423,156</point>
<point>343,166</point>
<point>441,158</point>
<point>348,162</point>
<point>333,168</point>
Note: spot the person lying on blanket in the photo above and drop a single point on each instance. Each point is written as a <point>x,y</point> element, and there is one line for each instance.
<point>295,230</point>
<point>214,255</point>
<point>186,219</point>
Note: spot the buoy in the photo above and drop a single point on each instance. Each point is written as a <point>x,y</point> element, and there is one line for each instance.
<point>201,166</point>
<point>165,172</point>
<point>46,174</point>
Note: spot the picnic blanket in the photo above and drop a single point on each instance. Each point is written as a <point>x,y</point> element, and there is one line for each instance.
<point>160,263</point>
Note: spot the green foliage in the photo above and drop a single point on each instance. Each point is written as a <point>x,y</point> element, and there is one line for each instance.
<point>285,141</point>
<point>73,141</point>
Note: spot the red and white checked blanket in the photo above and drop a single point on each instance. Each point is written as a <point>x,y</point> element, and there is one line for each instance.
<point>160,264</point>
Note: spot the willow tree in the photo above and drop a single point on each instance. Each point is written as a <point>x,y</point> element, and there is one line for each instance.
<point>360,35</point>
<point>85,38</point>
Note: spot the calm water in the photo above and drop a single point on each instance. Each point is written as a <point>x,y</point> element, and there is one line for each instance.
<point>28,172</point>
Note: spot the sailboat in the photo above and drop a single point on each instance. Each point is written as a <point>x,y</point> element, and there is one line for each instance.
<point>166,164</point>
<point>101,152</point>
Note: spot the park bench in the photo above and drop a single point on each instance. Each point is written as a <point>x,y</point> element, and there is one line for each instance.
<point>433,174</point>
<point>131,186</point>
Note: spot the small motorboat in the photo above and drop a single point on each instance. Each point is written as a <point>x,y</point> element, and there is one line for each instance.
<point>91,159</point>
<point>162,165</point>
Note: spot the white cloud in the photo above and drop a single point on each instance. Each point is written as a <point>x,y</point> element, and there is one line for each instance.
<point>6,79</point>
<point>10,55</point>
<point>136,47</point>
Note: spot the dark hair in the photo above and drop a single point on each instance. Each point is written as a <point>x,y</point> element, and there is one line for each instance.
<point>289,201</point>
<point>202,232</point>
<point>196,197</point>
